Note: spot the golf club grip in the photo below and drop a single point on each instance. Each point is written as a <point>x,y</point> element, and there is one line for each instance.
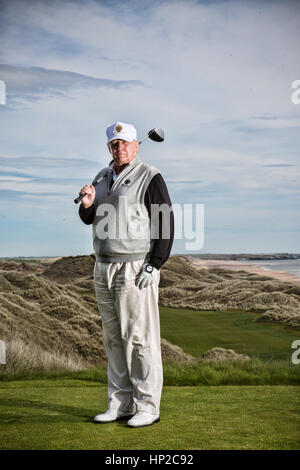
<point>78,199</point>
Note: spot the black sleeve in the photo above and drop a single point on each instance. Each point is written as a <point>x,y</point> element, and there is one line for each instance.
<point>157,193</point>
<point>87,215</point>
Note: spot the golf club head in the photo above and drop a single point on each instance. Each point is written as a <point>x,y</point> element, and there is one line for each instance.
<point>156,134</point>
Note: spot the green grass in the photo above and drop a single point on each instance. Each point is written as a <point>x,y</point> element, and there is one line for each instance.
<point>198,331</point>
<point>57,414</point>
<point>269,346</point>
<point>42,409</point>
<point>254,372</point>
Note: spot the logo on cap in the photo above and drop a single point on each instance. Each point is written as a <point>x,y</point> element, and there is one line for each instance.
<point>118,128</point>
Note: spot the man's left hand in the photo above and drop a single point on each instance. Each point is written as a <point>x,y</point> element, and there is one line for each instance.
<point>146,276</point>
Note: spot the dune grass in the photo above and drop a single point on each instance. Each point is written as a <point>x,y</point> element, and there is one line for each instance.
<point>58,414</point>
<point>253,372</point>
<point>21,357</point>
<point>268,345</point>
<point>198,331</point>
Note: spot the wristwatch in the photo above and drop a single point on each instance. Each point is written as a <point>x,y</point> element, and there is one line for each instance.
<point>149,268</point>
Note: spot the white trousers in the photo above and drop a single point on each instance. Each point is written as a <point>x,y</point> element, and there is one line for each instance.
<point>130,321</point>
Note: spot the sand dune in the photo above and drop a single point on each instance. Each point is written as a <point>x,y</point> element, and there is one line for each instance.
<point>249,268</point>
<point>52,306</point>
<point>51,303</point>
<point>189,284</point>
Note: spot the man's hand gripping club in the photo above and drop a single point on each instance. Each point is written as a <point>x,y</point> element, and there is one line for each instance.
<point>89,197</point>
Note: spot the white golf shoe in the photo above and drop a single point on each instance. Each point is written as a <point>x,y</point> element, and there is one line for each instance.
<point>111,415</point>
<point>142,418</point>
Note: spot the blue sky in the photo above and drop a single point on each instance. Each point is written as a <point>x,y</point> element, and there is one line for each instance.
<point>215,75</point>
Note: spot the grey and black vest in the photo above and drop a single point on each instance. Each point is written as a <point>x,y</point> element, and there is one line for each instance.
<point>121,227</point>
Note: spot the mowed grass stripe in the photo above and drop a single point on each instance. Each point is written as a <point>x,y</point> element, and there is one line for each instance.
<point>198,331</point>
<point>60,417</point>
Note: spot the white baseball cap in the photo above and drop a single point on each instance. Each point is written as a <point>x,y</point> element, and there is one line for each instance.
<point>121,130</point>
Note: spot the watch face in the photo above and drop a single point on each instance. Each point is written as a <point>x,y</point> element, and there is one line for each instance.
<point>149,268</point>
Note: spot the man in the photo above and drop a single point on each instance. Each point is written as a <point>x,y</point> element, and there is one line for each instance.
<point>131,247</point>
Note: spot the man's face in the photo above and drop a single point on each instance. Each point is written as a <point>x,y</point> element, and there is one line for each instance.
<point>122,151</point>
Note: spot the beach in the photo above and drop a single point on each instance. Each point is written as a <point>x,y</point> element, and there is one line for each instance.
<point>250,268</point>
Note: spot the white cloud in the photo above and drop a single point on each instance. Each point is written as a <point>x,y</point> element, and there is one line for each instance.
<point>273,123</point>
<point>38,82</point>
<point>12,179</point>
<point>232,60</point>
<point>207,71</point>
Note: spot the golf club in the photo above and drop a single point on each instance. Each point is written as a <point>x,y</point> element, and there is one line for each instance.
<point>155,134</point>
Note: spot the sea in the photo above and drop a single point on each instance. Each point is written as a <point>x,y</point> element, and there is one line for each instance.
<point>291,266</point>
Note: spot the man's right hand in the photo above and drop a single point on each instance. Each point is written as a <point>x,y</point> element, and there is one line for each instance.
<point>89,198</point>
